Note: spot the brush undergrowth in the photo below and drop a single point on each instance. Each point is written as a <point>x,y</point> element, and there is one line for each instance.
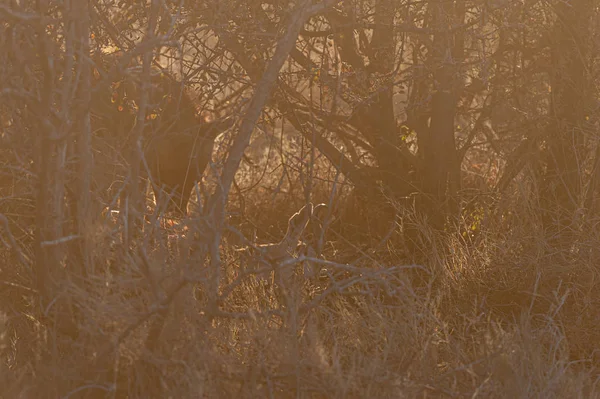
<point>497,312</point>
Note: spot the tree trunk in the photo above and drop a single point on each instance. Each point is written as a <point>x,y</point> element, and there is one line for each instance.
<point>84,136</point>
<point>441,162</point>
<point>561,191</point>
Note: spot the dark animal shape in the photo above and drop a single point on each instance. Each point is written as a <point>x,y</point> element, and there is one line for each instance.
<point>177,162</point>
<point>177,143</point>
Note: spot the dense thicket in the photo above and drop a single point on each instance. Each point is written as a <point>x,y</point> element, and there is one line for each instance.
<point>458,137</point>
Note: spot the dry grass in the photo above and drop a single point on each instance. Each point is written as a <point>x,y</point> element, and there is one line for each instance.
<point>499,314</point>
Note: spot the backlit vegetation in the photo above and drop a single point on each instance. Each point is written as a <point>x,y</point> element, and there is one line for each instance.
<point>398,199</point>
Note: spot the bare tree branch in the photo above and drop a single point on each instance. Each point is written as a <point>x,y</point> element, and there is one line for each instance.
<point>216,207</point>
